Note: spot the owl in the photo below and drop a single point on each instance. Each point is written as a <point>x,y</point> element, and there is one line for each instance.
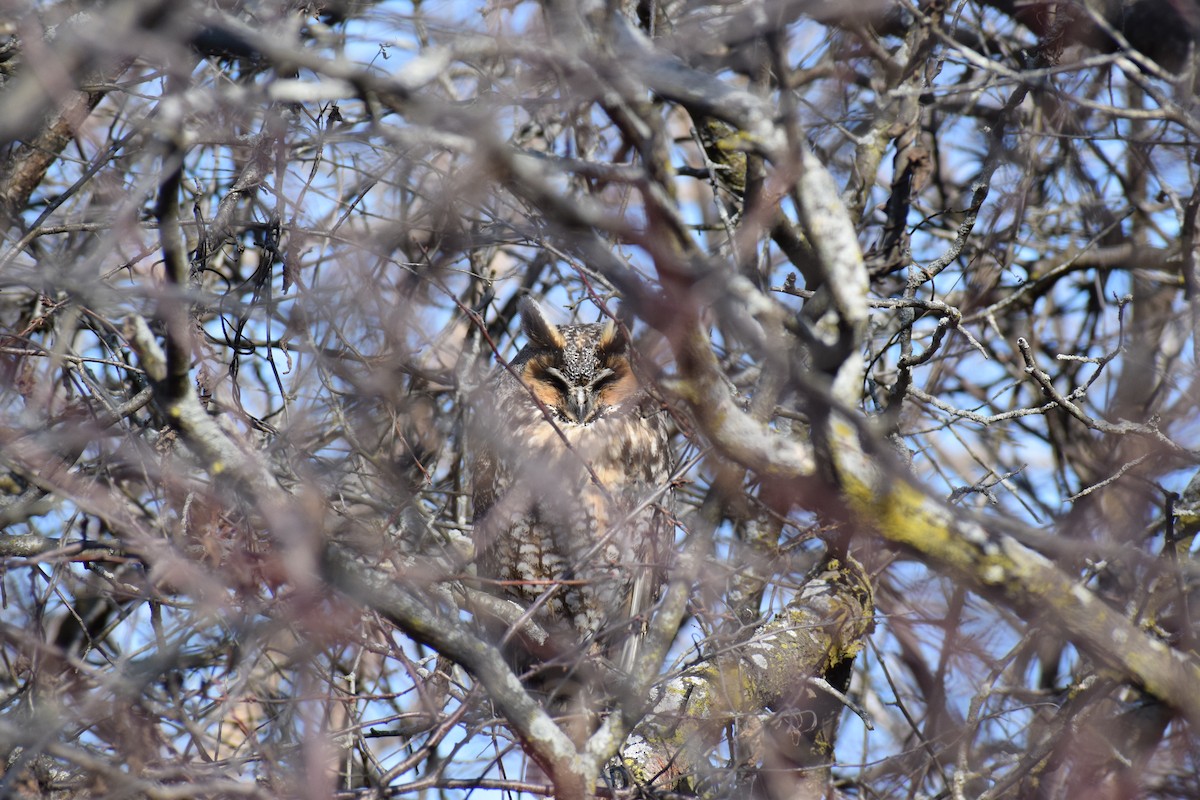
<point>571,489</point>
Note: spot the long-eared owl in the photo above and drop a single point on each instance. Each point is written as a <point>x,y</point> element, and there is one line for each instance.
<point>571,485</point>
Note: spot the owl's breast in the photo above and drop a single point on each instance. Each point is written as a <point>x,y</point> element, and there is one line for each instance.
<point>615,444</point>
<point>578,507</point>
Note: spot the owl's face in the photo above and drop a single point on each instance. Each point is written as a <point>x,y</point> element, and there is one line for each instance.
<point>581,373</point>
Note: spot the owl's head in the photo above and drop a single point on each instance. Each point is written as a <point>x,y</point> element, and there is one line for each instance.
<point>580,372</point>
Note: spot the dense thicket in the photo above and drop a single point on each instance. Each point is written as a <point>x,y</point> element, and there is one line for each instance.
<point>915,281</point>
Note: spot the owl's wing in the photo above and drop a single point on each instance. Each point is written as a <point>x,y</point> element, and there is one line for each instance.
<point>483,429</point>
<point>483,482</point>
<point>651,574</point>
<point>643,594</point>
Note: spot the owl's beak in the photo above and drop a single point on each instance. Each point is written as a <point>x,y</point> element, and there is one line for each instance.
<point>581,404</point>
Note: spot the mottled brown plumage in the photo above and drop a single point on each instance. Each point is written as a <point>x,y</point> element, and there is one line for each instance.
<point>570,505</point>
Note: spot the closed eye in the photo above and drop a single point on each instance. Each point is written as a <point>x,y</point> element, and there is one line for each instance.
<point>559,377</point>
<point>602,378</point>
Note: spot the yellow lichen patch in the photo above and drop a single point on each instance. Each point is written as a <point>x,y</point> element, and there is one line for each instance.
<point>1026,579</point>
<point>899,511</point>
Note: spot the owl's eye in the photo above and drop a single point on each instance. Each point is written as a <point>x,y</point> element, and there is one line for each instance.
<point>602,378</point>
<point>561,379</point>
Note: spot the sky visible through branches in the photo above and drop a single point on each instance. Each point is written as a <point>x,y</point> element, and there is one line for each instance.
<point>253,304</point>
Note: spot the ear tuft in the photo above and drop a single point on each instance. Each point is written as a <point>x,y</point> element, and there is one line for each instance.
<point>538,328</point>
<point>612,338</point>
